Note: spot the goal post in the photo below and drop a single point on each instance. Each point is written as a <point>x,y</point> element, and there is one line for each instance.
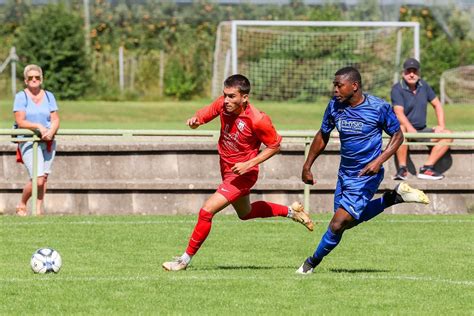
<point>295,60</point>
<point>457,85</point>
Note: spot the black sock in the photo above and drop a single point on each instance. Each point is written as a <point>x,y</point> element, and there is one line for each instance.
<point>391,198</point>
<point>313,261</point>
<point>428,166</point>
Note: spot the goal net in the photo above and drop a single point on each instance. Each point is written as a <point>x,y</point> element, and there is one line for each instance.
<point>457,85</point>
<point>296,60</point>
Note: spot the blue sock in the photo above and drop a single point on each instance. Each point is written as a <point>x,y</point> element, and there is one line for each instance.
<point>327,243</point>
<point>374,208</point>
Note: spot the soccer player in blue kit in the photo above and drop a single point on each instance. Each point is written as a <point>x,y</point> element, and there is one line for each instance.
<point>359,119</point>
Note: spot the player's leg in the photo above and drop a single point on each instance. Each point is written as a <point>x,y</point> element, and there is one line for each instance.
<point>237,189</point>
<point>350,199</point>
<point>340,221</point>
<point>402,157</point>
<point>437,152</point>
<point>403,193</point>
<point>263,209</point>
<point>213,205</point>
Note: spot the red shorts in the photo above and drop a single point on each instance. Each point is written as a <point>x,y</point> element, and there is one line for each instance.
<point>234,186</point>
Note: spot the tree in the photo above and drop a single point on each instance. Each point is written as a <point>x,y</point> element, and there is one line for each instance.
<point>53,38</point>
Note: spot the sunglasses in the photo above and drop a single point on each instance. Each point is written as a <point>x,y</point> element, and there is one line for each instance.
<point>30,78</point>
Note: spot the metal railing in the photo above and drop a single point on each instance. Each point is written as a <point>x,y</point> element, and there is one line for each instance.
<point>302,137</point>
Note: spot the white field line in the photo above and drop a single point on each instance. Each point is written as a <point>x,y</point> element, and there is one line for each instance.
<point>189,277</point>
<point>192,221</point>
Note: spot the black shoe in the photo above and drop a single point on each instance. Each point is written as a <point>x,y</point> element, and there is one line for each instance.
<point>402,174</point>
<point>429,173</point>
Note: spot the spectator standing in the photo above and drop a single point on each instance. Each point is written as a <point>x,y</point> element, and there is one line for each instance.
<point>36,109</point>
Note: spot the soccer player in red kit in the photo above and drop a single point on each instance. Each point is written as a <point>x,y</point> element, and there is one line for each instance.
<point>243,130</point>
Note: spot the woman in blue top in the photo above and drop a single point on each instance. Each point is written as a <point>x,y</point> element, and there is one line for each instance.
<point>36,109</point>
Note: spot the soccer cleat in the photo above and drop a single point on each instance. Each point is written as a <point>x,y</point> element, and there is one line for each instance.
<point>402,174</point>
<point>176,265</point>
<point>429,173</point>
<point>306,267</point>
<point>300,216</point>
<point>411,195</point>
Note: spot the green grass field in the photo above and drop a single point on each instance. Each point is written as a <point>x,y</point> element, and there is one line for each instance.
<point>173,115</point>
<point>395,264</point>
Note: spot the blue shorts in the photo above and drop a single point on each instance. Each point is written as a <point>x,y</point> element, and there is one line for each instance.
<point>353,193</point>
<point>45,157</point>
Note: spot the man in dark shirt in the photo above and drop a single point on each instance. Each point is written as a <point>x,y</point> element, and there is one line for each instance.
<point>410,99</point>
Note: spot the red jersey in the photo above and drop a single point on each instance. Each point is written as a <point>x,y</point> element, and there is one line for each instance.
<point>241,135</point>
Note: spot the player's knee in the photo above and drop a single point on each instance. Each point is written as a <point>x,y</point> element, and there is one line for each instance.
<point>337,227</point>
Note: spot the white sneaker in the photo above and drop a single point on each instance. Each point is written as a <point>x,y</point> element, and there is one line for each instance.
<point>305,269</point>
<point>177,264</point>
<point>300,216</point>
<point>411,195</point>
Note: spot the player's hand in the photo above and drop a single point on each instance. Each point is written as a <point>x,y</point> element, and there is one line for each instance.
<point>307,176</point>
<point>241,167</point>
<point>411,129</point>
<point>193,122</point>
<point>371,169</point>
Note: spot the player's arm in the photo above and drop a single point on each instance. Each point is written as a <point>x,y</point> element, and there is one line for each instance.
<point>318,145</point>
<point>393,144</point>
<point>268,152</point>
<point>206,114</point>
<point>402,118</point>
<point>389,123</point>
<point>438,107</point>
<point>268,135</point>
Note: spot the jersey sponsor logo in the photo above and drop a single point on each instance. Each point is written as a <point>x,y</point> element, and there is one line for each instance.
<point>225,190</point>
<point>350,126</point>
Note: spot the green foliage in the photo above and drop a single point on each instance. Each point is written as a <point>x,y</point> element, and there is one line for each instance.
<point>52,38</point>
<point>186,35</point>
<point>12,16</point>
<point>441,49</point>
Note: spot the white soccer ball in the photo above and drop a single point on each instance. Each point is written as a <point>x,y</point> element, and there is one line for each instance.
<point>46,260</point>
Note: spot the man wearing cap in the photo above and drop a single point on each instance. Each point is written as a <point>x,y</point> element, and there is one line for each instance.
<point>410,99</point>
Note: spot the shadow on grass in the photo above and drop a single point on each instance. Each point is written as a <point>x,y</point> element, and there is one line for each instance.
<point>245,267</point>
<point>358,270</point>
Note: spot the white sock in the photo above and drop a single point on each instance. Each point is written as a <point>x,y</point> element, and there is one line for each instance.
<point>186,258</point>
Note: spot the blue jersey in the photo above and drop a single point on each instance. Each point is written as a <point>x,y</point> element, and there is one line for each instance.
<point>360,130</point>
<point>36,113</point>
